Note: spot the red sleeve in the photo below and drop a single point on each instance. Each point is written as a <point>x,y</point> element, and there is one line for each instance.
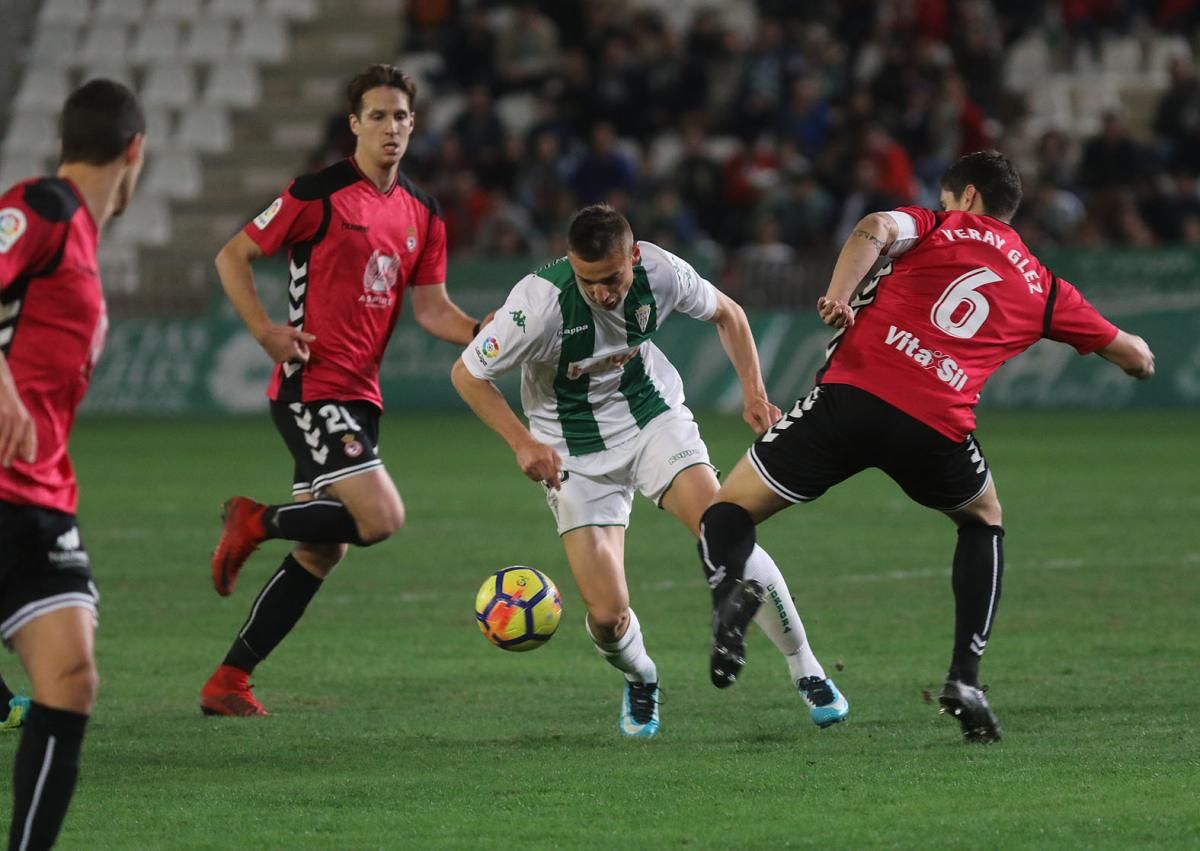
<point>432,268</point>
<point>27,241</point>
<point>286,222</point>
<point>926,219</point>
<point>1071,319</point>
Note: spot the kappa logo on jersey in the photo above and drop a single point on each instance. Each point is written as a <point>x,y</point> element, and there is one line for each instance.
<point>12,226</point>
<point>643,316</point>
<point>518,318</point>
<point>379,278</point>
<point>946,368</point>
<point>264,218</point>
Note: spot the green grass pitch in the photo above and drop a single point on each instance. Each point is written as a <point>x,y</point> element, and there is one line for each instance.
<point>396,725</point>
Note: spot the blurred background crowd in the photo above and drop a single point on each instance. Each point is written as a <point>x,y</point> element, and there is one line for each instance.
<point>765,134</point>
<point>747,135</point>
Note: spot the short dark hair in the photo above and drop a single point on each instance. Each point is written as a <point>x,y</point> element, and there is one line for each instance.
<point>374,76</point>
<point>993,177</point>
<point>99,120</point>
<point>596,231</point>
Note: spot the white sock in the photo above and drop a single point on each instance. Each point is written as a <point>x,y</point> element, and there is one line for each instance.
<point>778,618</point>
<point>628,653</point>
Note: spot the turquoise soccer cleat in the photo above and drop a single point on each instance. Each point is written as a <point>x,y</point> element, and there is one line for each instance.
<point>826,704</point>
<point>639,710</point>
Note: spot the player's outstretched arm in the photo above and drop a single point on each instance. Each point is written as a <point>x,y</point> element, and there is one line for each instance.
<point>18,432</point>
<point>537,460</point>
<point>441,317</point>
<point>738,342</point>
<point>872,236</point>
<point>282,342</point>
<point>1131,353</point>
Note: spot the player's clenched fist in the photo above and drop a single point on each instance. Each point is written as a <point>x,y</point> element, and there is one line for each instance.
<point>540,463</point>
<point>286,344</point>
<point>760,415</point>
<point>18,433</point>
<point>839,314</point>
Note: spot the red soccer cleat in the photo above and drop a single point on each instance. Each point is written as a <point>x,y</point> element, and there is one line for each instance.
<point>240,536</point>
<point>227,692</point>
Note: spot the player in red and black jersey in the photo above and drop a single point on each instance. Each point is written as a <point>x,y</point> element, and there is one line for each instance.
<point>52,326</point>
<point>358,235</point>
<point>928,305</point>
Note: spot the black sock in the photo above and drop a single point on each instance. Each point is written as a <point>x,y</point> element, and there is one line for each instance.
<point>318,521</point>
<point>44,775</point>
<point>6,695</point>
<point>276,610</point>
<point>978,571</point>
<point>727,539</point>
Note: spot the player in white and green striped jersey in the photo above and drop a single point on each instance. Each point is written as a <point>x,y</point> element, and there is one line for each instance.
<point>606,418</point>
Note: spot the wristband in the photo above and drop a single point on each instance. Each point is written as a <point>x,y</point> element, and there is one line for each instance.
<point>475,330</point>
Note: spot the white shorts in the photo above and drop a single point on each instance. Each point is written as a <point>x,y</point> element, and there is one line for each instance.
<point>603,495</point>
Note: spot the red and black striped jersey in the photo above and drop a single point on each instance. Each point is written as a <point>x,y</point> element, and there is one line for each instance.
<point>52,327</point>
<point>352,251</point>
<point>958,295</point>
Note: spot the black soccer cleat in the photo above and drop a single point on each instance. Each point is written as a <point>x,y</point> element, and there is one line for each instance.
<point>970,706</point>
<point>731,616</point>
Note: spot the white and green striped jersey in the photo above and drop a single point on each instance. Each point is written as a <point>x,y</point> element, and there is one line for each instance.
<point>591,378</point>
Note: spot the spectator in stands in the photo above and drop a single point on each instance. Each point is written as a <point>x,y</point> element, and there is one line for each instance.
<point>603,169</point>
<point>471,52</point>
<point>1111,159</point>
<point>526,49</point>
<point>1177,119</point>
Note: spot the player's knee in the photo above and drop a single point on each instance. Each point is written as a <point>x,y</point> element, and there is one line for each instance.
<point>384,522</point>
<point>320,559</point>
<point>608,621</point>
<point>74,687</point>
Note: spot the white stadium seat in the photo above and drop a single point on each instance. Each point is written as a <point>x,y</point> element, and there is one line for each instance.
<point>204,128</point>
<point>33,134</point>
<point>241,10</point>
<point>173,174</point>
<point>169,84</point>
<point>294,10</point>
<point>209,41</point>
<point>263,39</point>
<point>53,45</point>
<point>234,84</point>
<point>156,40</point>
<point>110,71</point>
<point>126,11</point>
<point>42,89</point>
<point>158,127</point>
<point>104,43</point>
<point>177,10</point>
<point>56,12</point>
<point>147,221</point>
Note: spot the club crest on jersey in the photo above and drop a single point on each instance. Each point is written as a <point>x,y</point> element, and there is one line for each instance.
<point>410,241</point>
<point>264,218</point>
<point>379,278</point>
<point>643,316</point>
<point>12,226</point>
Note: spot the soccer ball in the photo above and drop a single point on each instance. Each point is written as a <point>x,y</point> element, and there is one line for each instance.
<point>518,608</point>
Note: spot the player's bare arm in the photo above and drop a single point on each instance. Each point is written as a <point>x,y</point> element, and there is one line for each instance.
<point>1131,353</point>
<point>537,461</point>
<point>18,433</point>
<point>282,342</point>
<point>872,236</point>
<point>440,316</point>
<point>738,342</point>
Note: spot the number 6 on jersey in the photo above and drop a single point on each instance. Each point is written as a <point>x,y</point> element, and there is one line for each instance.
<point>964,291</point>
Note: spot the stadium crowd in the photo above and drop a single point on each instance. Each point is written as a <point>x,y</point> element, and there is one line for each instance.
<point>766,138</point>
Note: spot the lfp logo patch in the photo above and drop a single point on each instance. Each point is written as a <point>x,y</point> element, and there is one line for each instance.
<point>491,347</point>
<point>264,218</point>
<point>12,226</point>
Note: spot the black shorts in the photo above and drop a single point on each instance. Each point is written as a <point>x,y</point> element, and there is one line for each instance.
<point>329,441</point>
<point>43,566</point>
<point>838,430</point>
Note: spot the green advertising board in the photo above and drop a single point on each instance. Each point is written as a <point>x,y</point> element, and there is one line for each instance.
<point>211,364</point>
